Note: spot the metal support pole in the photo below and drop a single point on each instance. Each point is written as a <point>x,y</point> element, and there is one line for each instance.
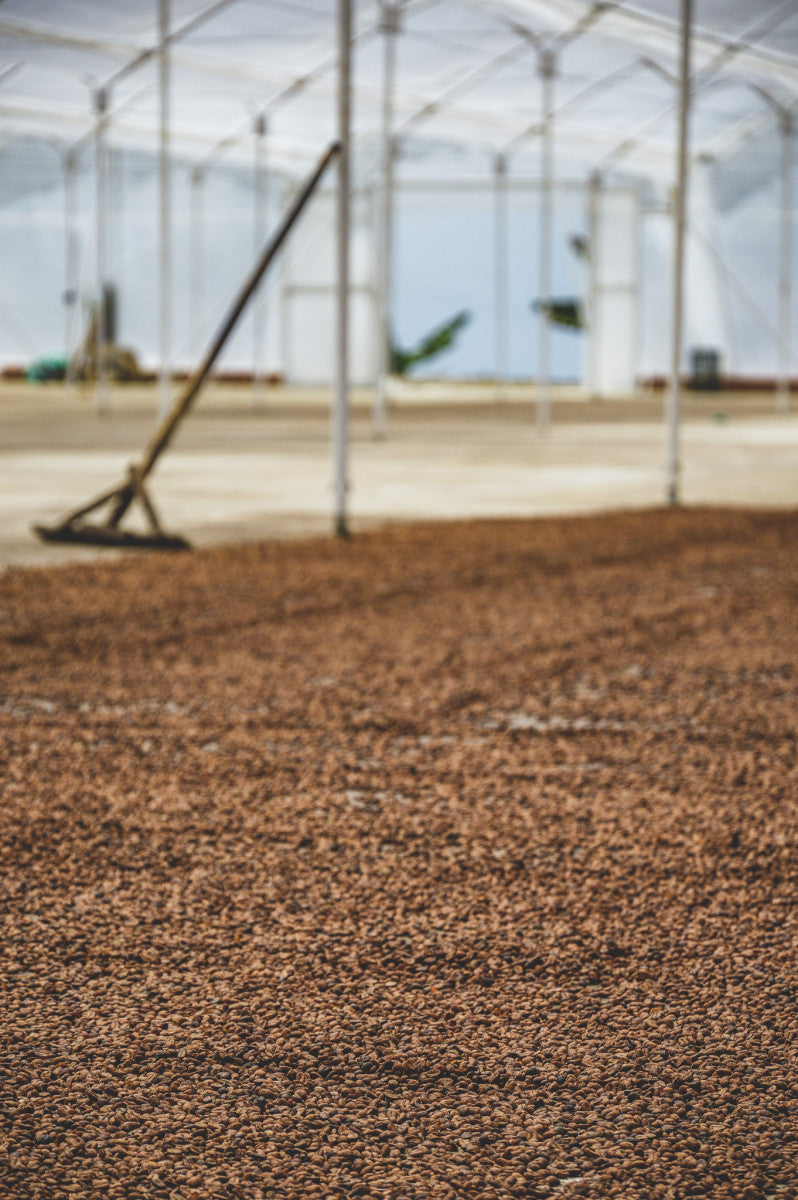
<point>259,204</point>
<point>594,331</point>
<point>71,283</point>
<point>283,298</point>
<point>196,274</point>
<point>785,270</point>
<point>340,414</point>
<point>102,402</point>
<point>165,277</point>
<point>501,273</point>
<point>675,395</point>
<point>389,26</point>
<point>547,69</point>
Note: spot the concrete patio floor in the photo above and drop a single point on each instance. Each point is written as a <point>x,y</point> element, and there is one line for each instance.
<point>239,471</point>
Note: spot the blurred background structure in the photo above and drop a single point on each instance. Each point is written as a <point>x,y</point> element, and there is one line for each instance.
<point>518,203</point>
<point>489,123</point>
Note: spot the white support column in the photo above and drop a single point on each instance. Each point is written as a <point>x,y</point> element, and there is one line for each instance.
<point>165,226</point>
<point>284,292</point>
<point>71,282</point>
<point>102,401</point>
<point>547,69</point>
<point>340,413</point>
<point>612,334</point>
<point>389,27</point>
<point>785,269</point>
<point>259,129</point>
<point>501,274</point>
<point>593,331</point>
<point>195,254</point>
<point>673,413</point>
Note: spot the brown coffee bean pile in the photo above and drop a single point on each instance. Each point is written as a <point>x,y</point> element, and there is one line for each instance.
<point>453,861</point>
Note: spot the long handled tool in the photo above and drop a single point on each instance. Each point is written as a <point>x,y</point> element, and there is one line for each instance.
<point>117,501</point>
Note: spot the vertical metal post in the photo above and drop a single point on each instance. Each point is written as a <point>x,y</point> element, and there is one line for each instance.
<point>594,331</point>
<point>165,275</point>
<point>785,269</point>
<point>501,273</point>
<point>195,254</point>
<point>259,203</point>
<point>71,283</point>
<point>102,401</point>
<point>340,413</point>
<point>675,395</point>
<point>547,68</point>
<point>389,27</point>
<point>284,294</point>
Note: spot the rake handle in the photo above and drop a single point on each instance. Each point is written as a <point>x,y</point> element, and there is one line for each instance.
<point>165,432</point>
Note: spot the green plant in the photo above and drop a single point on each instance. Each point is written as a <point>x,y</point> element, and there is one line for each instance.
<point>566,311</point>
<point>438,339</point>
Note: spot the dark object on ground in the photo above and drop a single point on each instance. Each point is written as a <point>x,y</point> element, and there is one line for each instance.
<point>51,367</point>
<point>120,365</point>
<point>704,370</point>
<point>99,351</point>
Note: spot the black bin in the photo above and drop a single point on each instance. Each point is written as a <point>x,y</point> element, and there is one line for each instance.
<point>704,369</point>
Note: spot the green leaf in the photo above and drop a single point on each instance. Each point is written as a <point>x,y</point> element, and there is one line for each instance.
<point>566,311</point>
<point>438,339</point>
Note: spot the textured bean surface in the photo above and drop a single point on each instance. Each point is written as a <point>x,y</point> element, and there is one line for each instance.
<point>454,861</point>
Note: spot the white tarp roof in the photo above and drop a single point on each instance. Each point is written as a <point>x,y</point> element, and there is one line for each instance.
<point>467,75</point>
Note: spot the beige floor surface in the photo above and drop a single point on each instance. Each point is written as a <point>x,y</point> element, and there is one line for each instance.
<point>241,471</point>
